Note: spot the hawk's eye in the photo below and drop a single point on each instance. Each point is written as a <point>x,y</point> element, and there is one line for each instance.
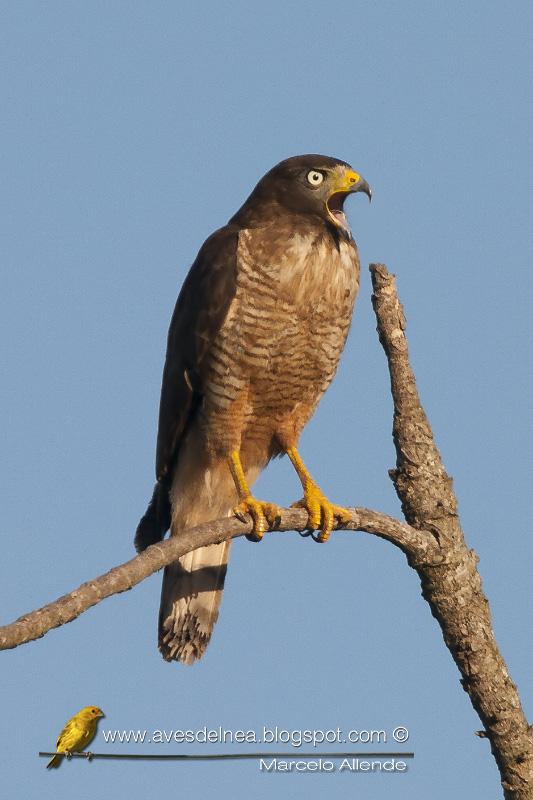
<point>314,177</point>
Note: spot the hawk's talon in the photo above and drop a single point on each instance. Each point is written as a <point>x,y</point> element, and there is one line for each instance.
<point>323,515</point>
<point>265,516</point>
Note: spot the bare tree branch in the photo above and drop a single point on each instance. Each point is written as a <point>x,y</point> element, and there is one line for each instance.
<point>431,539</point>
<point>450,583</point>
<point>119,579</point>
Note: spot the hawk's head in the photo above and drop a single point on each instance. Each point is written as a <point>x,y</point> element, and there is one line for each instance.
<point>311,184</point>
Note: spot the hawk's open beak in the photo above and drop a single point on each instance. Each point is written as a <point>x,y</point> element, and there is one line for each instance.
<point>348,182</point>
<point>351,182</point>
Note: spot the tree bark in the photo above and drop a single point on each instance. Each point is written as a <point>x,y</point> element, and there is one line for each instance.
<point>450,581</point>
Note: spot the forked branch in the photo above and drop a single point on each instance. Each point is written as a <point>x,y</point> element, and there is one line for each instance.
<point>431,538</point>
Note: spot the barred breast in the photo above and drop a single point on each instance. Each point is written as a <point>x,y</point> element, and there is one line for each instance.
<point>280,343</point>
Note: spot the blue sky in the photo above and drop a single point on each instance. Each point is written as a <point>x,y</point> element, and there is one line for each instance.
<point>132,130</point>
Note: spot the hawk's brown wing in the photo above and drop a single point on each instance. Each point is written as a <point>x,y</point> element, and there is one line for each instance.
<point>200,310</point>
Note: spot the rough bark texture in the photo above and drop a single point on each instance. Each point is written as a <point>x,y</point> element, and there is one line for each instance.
<point>431,539</point>
<point>450,581</point>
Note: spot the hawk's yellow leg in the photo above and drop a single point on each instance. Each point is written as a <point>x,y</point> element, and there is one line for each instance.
<point>264,515</point>
<point>322,514</point>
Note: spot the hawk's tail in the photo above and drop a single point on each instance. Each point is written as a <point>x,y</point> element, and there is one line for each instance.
<point>190,601</point>
<point>192,586</point>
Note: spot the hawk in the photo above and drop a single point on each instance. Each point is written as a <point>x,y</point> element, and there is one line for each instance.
<point>254,342</point>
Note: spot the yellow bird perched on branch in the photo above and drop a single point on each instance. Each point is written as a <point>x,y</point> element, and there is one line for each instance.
<point>77,733</point>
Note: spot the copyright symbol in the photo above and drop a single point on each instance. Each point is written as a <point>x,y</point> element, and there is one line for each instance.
<point>400,734</point>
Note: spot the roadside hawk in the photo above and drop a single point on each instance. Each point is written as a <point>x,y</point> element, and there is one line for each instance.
<point>254,342</point>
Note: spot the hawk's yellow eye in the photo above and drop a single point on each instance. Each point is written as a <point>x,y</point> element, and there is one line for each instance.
<point>315,178</point>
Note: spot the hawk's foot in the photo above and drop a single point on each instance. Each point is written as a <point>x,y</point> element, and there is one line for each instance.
<point>265,516</point>
<point>322,514</point>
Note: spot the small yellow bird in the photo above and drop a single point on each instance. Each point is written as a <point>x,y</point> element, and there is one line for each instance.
<point>77,733</point>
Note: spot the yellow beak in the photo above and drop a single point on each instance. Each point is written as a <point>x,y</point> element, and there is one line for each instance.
<point>350,181</point>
